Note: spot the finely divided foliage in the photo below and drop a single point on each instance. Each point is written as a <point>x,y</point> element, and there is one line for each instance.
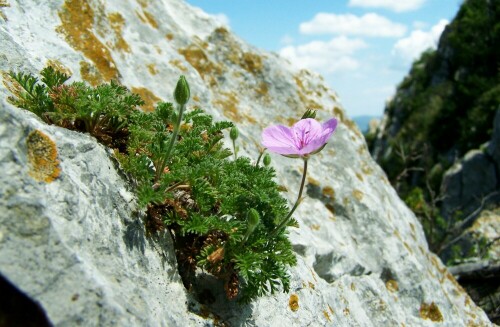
<point>222,214</point>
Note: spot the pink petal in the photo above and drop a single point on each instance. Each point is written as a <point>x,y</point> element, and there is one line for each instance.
<point>305,131</point>
<point>279,139</point>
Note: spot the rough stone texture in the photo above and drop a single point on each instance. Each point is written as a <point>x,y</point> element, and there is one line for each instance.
<point>77,245</point>
<point>467,183</point>
<point>362,255</point>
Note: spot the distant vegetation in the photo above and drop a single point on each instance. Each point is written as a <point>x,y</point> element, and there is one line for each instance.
<point>442,109</point>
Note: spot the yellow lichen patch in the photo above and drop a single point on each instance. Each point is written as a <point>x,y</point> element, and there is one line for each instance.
<point>58,66</point>
<point>366,169</point>
<point>169,36</point>
<point>77,18</point>
<point>311,285</point>
<point>431,312</point>
<point>263,90</point>
<point>396,233</point>
<point>229,104</point>
<point>196,56</point>
<point>392,285</point>
<point>305,95</point>
<point>347,312</point>
<point>313,181</point>
<point>90,73</point>
<point>152,69</point>
<point>42,157</point>
<point>149,98</point>
<point>117,22</point>
<point>177,63</point>
<point>251,62</point>
<point>408,247</point>
<point>327,315</point>
<point>293,303</point>
<point>328,192</point>
<point>315,227</point>
<point>151,19</point>
<point>360,177</point>
<point>3,3</point>
<point>353,287</point>
<point>331,310</point>
<point>158,49</point>
<point>196,98</point>
<point>357,194</point>
<point>339,114</point>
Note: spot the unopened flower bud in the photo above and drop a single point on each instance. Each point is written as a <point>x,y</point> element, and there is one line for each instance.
<point>309,114</point>
<point>253,218</point>
<point>234,133</point>
<point>267,159</point>
<point>182,92</point>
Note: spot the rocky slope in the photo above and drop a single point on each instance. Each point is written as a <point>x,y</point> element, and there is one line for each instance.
<point>73,240</point>
<point>444,108</point>
<point>438,139</point>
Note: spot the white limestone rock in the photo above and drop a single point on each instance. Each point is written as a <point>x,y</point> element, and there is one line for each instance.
<point>362,255</point>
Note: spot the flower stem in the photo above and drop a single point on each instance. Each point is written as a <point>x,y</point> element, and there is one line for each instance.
<point>234,149</point>
<point>285,221</point>
<point>260,156</point>
<point>164,160</point>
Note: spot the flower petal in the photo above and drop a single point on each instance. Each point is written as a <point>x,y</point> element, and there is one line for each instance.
<point>328,129</point>
<point>305,131</point>
<point>279,139</point>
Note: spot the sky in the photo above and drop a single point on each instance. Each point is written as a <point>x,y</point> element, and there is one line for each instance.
<point>363,48</point>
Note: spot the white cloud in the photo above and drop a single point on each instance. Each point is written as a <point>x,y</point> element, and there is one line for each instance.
<point>222,19</point>
<point>369,24</point>
<point>394,5</point>
<point>286,40</point>
<point>409,48</point>
<point>325,57</point>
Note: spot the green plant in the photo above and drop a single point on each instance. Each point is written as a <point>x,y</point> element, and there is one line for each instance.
<point>222,214</point>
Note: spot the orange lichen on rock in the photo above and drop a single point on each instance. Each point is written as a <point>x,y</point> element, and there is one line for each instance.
<point>150,99</point>
<point>177,63</point>
<point>197,57</point>
<point>431,312</point>
<point>77,19</point>
<point>42,157</point>
<point>327,315</point>
<point>3,3</point>
<point>229,104</point>
<point>392,285</point>
<point>357,194</point>
<point>90,74</point>
<point>117,22</point>
<point>152,69</point>
<point>293,303</point>
<point>58,66</point>
<point>329,192</point>
<point>251,62</point>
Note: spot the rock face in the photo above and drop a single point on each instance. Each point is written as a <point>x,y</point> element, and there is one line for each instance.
<point>71,236</point>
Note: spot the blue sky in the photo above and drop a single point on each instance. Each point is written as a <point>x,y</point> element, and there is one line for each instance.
<point>363,48</point>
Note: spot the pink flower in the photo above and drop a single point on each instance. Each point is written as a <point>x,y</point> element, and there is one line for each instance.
<point>305,137</point>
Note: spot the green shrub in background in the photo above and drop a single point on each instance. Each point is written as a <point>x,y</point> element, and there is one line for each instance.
<point>222,214</point>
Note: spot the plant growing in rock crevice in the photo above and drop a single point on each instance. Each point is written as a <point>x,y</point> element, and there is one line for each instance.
<point>222,214</point>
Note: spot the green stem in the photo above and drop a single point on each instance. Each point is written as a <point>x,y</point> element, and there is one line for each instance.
<point>260,156</point>
<point>177,125</point>
<point>285,221</point>
<point>234,149</point>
